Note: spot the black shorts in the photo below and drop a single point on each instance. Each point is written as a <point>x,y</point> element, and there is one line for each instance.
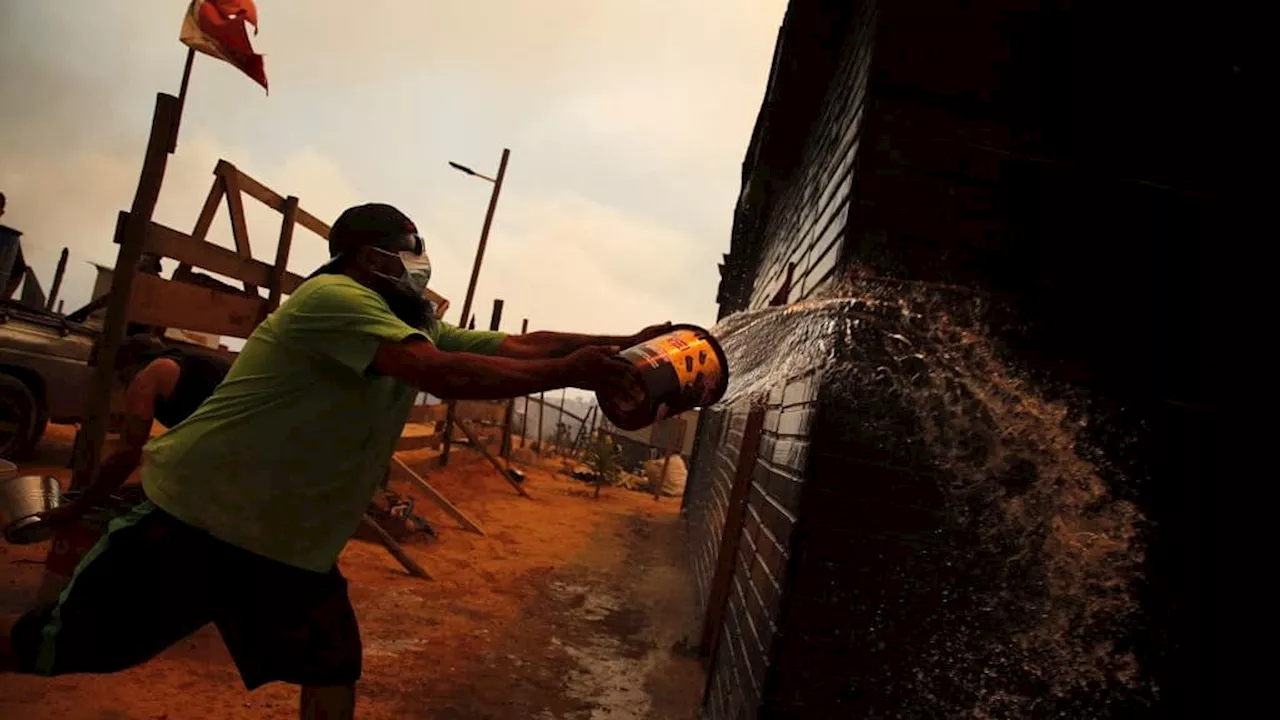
<point>153,580</point>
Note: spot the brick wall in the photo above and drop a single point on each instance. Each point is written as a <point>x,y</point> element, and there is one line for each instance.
<point>707,491</point>
<point>988,163</point>
<point>743,661</point>
<point>805,224</point>
<point>808,223</point>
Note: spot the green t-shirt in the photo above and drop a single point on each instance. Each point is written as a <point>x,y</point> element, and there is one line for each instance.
<point>284,457</point>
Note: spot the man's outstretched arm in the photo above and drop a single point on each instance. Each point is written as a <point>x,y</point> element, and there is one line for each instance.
<point>468,376</point>
<point>545,344</point>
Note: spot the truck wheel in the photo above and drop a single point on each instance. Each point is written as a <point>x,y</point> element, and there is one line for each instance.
<point>19,412</point>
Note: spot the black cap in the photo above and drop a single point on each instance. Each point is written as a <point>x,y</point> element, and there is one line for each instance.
<point>376,224</point>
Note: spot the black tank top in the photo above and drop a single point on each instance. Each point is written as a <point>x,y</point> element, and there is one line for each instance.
<point>199,374</point>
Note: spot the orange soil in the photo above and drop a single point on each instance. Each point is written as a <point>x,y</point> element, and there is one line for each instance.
<point>497,634</point>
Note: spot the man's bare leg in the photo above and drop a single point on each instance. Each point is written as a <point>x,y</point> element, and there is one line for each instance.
<point>328,703</point>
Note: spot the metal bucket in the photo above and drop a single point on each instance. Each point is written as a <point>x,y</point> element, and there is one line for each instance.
<point>679,371</point>
<point>21,498</point>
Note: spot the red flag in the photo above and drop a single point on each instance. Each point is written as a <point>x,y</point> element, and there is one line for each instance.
<point>216,28</point>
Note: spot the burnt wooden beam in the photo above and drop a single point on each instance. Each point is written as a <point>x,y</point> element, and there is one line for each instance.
<point>437,497</point>
<point>492,460</point>
<point>393,547</point>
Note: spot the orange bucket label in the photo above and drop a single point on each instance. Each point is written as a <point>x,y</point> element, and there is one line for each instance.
<point>689,354</point>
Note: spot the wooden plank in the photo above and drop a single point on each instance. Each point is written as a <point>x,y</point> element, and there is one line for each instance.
<point>489,456</point>
<point>167,242</point>
<point>394,548</point>
<point>239,227</point>
<point>275,201</point>
<point>409,443</point>
<point>164,123</point>
<point>731,535</point>
<point>269,197</point>
<point>204,221</point>
<point>210,209</point>
<point>442,305</point>
<point>167,303</point>
<point>282,252</point>
<point>435,496</point>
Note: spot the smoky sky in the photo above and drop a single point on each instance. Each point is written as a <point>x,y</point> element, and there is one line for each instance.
<point>627,124</point>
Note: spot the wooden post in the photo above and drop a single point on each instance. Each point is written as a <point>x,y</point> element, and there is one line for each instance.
<point>484,235</point>
<point>495,323</point>
<point>511,410</point>
<point>471,286</point>
<point>524,430</point>
<point>735,514</point>
<point>290,213</point>
<point>581,434</point>
<point>239,226</point>
<point>57,279</point>
<point>542,409</point>
<point>59,307</point>
<point>495,320</point>
<point>559,422</point>
<point>666,463</point>
<point>182,97</point>
<point>447,440</point>
<point>204,220</point>
<point>133,236</point>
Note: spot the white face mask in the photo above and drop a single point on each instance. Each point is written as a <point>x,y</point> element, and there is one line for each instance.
<point>417,269</point>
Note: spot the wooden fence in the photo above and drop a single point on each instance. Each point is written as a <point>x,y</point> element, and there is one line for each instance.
<point>188,304</point>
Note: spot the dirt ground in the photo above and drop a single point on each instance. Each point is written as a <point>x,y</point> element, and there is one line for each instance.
<point>569,607</point>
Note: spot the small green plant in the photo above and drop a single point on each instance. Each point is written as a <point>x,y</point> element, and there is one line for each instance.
<point>604,458</point>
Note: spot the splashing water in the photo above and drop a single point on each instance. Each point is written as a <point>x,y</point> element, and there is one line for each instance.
<point>1051,558</point>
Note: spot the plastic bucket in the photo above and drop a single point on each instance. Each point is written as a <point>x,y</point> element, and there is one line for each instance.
<point>21,498</point>
<point>679,371</point>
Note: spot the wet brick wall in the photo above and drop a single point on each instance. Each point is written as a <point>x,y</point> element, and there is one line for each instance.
<point>805,226</point>
<point>707,491</point>
<point>1032,151</point>
<point>1052,159</point>
<point>743,660</point>
<point>808,224</point>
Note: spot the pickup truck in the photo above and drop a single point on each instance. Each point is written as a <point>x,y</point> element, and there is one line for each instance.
<point>45,374</point>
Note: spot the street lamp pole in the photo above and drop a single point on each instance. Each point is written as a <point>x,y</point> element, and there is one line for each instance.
<point>484,231</point>
<point>475,275</point>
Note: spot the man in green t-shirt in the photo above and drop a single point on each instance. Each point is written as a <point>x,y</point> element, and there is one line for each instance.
<point>253,496</point>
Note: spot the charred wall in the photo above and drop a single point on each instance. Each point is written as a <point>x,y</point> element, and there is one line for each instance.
<point>1068,160</point>
<point>1062,178</point>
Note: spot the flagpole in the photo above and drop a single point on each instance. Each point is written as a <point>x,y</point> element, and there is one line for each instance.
<point>182,95</point>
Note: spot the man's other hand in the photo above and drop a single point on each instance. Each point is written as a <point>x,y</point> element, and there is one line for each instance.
<point>62,514</point>
<point>650,333</point>
<point>597,368</point>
